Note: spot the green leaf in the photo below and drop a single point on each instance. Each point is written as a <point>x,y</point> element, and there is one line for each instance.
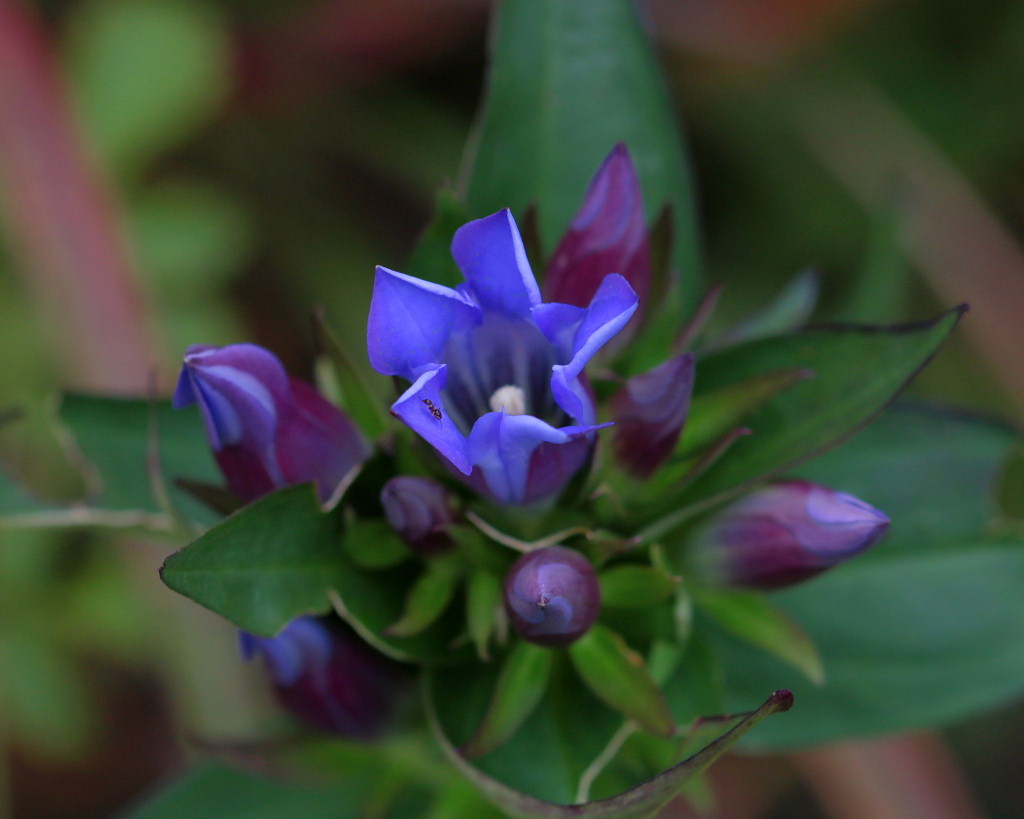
<point>639,802</point>
<point>114,436</point>
<point>858,370</point>
<point>907,641</point>
<point>215,789</point>
<point>786,313</point>
<point>934,471</point>
<point>924,628</point>
<point>371,602</point>
<point>714,414</point>
<point>429,596</point>
<point>567,82</point>
<point>264,565</point>
<point>15,500</point>
<point>148,73</point>
<point>483,609</point>
<point>520,686</point>
<point>619,676</point>
<point>753,618</point>
<point>432,257</point>
<point>567,730</point>
<point>356,396</point>
<point>634,585</point>
<point>374,545</point>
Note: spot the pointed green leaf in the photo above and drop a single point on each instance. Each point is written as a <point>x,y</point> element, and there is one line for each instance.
<point>753,618</point>
<point>373,544</point>
<point>787,312</point>
<point>483,608</point>
<point>356,397</point>
<point>858,370</point>
<point>714,414</point>
<point>635,585</point>
<point>432,257</point>
<point>619,676</point>
<point>264,565</point>
<point>923,629</point>
<point>114,436</point>
<point>568,81</point>
<point>429,596</point>
<point>520,686</point>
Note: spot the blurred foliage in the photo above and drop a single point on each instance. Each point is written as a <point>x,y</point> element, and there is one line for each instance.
<point>266,155</point>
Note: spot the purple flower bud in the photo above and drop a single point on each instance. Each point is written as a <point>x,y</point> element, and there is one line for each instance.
<point>787,532</point>
<point>418,509</point>
<point>650,412</point>
<point>607,235</point>
<point>268,430</point>
<point>552,596</point>
<point>325,675</point>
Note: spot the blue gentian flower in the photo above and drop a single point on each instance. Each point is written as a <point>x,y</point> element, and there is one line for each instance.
<point>497,381</point>
<point>326,676</point>
<point>267,429</point>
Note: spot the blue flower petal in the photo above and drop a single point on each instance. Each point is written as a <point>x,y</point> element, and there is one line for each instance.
<point>559,323</point>
<point>611,308</point>
<point>501,446</point>
<point>411,321</point>
<point>613,305</point>
<point>420,406</point>
<point>238,389</point>
<point>491,255</point>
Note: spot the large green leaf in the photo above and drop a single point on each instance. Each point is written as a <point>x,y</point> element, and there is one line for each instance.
<point>857,370</point>
<point>565,732</point>
<point>568,81</point>
<point>215,789</point>
<point>907,641</point>
<point>264,565</point>
<point>638,802</point>
<point>924,628</point>
<point>933,470</point>
<point>114,435</point>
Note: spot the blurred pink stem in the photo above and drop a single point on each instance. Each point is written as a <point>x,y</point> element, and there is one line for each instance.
<point>904,777</point>
<point>64,231</point>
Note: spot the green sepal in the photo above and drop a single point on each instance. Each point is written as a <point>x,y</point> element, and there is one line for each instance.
<point>519,688</point>
<point>635,585</point>
<point>485,613</point>
<point>429,596</point>
<point>354,393</point>
<point>372,544</point>
<point>755,619</point>
<point>618,675</point>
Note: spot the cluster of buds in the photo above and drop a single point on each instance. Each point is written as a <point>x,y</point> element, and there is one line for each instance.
<point>497,385</point>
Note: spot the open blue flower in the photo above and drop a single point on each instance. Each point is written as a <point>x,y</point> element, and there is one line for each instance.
<point>497,376</point>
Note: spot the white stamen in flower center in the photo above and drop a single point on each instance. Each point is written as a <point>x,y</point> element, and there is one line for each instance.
<point>510,398</point>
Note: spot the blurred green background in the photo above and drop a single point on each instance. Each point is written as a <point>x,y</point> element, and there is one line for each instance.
<point>207,171</point>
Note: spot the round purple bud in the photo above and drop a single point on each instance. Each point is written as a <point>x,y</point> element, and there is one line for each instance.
<point>418,510</point>
<point>552,596</point>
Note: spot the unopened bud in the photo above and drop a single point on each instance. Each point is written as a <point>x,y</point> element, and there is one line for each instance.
<point>418,509</point>
<point>552,596</point>
<point>786,533</point>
